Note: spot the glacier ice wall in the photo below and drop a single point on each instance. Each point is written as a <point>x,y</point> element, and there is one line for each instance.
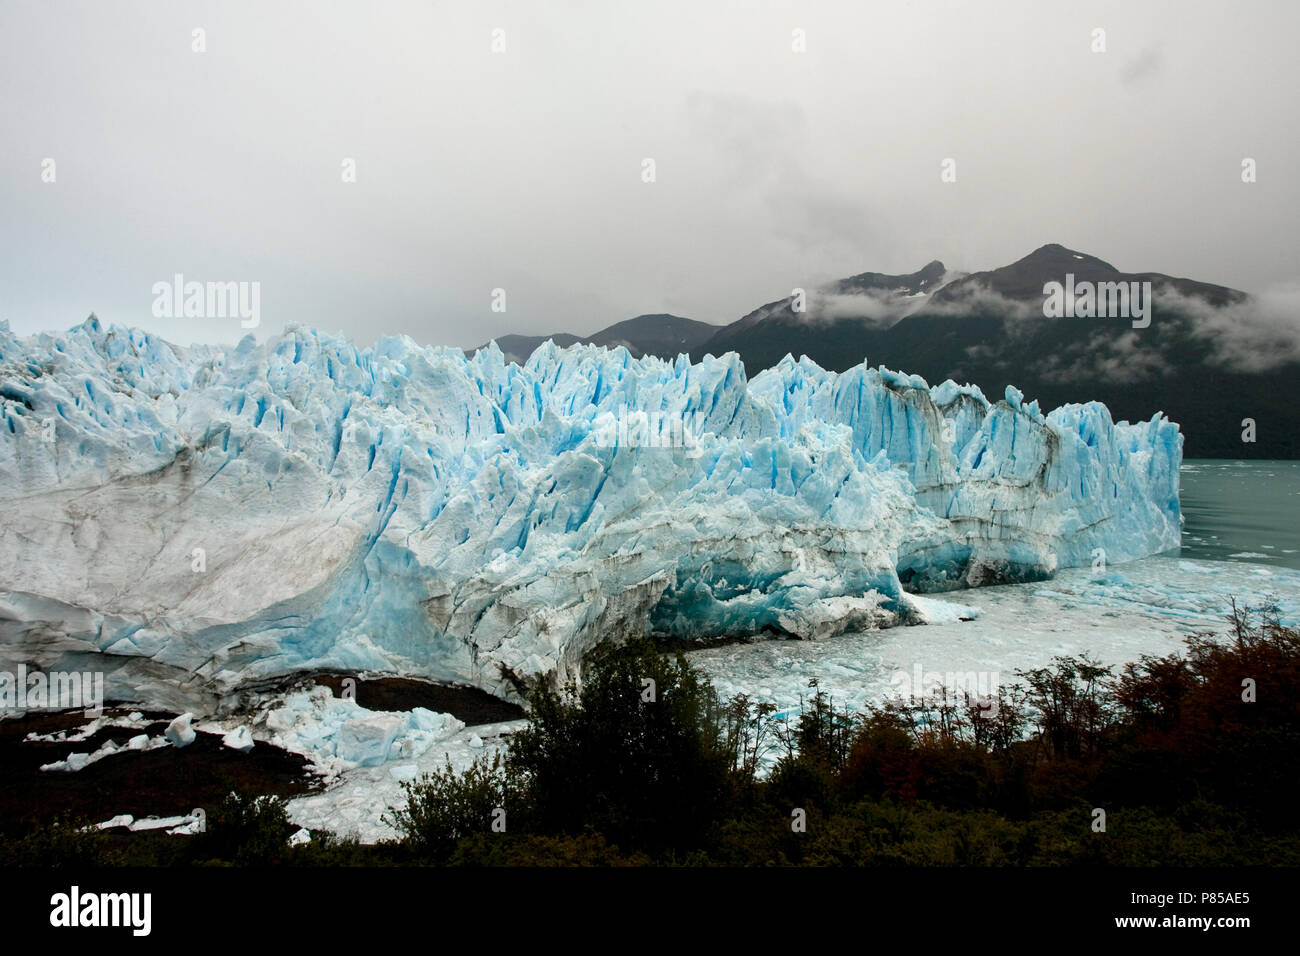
<point>204,519</point>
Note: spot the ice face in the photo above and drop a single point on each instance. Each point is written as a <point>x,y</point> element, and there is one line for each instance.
<point>201,518</point>
<point>1116,616</point>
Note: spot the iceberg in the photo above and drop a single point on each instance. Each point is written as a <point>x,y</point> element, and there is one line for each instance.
<point>195,522</point>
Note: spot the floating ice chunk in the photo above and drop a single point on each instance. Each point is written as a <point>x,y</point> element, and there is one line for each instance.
<point>179,731</point>
<point>158,823</point>
<point>194,823</point>
<point>930,610</point>
<point>428,720</point>
<point>71,764</point>
<point>281,719</point>
<point>70,736</point>
<point>241,738</point>
<point>337,734</point>
<point>367,740</point>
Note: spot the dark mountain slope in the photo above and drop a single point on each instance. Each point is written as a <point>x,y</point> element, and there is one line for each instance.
<point>988,328</point>
<point>662,335</point>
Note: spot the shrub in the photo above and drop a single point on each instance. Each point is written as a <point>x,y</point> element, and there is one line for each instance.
<point>245,830</point>
<point>638,754</point>
<point>444,807</point>
<point>64,842</point>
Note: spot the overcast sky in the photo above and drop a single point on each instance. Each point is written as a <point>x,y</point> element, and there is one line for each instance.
<point>523,169</point>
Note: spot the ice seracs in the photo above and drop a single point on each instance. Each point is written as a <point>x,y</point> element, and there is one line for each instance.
<point>196,521</point>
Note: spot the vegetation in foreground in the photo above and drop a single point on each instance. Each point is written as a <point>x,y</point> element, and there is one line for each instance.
<point>1179,760</point>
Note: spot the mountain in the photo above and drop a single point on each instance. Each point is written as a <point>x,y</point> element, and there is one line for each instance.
<point>890,297</point>
<point>1206,359</point>
<point>517,348</point>
<point>1023,280</point>
<point>662,335</point>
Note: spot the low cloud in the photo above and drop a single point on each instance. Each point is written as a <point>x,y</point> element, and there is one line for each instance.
<point>1258,334</point>
<point>879,308</point>
<point>885,307</point>
<point>978,299</point>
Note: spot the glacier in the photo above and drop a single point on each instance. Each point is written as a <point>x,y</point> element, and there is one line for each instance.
<point>198,522</point>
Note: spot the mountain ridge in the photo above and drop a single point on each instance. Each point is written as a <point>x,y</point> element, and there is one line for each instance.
<point>1208,360</point>
<point>657,334</point>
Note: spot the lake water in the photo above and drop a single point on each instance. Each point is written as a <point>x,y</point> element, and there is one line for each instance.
<point>1241,511</point>
<point>1241,538</point>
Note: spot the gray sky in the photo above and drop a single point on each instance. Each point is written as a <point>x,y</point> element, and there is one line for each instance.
<point>523,170</point>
